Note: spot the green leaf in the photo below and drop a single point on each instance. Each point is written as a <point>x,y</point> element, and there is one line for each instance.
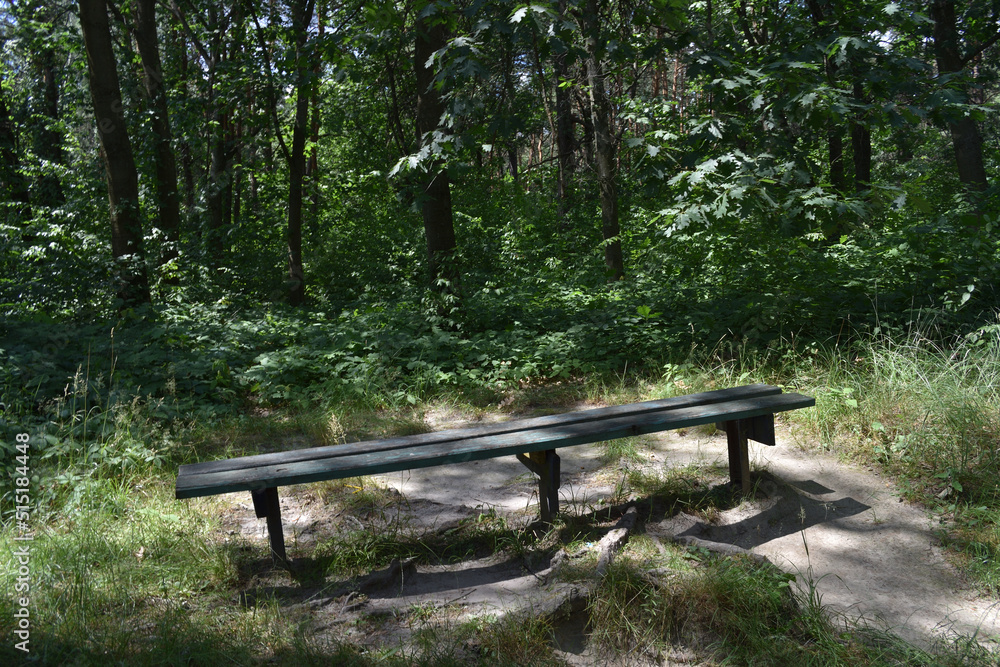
<point>921,204</point>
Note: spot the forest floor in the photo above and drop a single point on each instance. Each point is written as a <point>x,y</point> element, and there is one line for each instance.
<point>843,531</point>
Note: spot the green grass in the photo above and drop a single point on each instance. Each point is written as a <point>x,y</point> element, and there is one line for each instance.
<point>354,552</point>
<point>124,574</point>
<point>740,613</point>
<point>931,418</point>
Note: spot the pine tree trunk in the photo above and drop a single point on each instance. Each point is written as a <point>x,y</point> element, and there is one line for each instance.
<point>116,152</point>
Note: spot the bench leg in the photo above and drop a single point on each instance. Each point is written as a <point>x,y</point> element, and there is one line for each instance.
<point>546,466</point>
<point>552,483</point>
<point>265,504</point>
<point>739,455</point>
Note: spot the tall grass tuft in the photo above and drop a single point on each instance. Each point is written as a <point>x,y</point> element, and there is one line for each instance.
<point>915,407</point>
<point>931,417</point>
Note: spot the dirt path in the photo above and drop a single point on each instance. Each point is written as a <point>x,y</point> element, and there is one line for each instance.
<point>846,530</point>
<point>842,530</point>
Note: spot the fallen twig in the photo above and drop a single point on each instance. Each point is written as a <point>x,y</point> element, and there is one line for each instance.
<point>611,543</point>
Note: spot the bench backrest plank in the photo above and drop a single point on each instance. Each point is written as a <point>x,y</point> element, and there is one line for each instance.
<point>194,482</point>
<point>549,421</point>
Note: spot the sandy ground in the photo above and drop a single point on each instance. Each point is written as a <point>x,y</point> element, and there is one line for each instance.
<point>843,531</point>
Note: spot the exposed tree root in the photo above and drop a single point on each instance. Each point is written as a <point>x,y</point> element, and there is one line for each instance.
<point>612,543</point>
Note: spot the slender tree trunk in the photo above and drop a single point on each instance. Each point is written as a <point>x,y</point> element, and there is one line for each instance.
<point>116,152</point>
<point>187,167</point>
<point>965,136</point>
<point>393,110</point>
<point>861,145</point>
<point>587,119</point>
<point>835,147</point>
<point>237,203</point>
<point>834,134</point>
<point>166,165</point>
<point>187,160</point>
<point>219,175</point>
<point>229,196</point>
<point>302,14</point>
<point>826,25</point>
<point>564,129</point>
<point>507,101</point>
<point>436,209</point>
<point>312,169</point>
<point>48,138</point>
<point>680,90</point>
<point>604,151</point>
<point>10,168</point>
<point>513,163</point>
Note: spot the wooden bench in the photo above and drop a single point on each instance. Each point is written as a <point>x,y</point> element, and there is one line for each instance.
<point>744,412</point>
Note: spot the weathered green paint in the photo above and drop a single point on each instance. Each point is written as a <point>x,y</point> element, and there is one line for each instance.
<point>531,435</point>
<point>575,417</point>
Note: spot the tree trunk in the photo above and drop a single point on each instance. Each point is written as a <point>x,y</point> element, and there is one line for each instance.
<point>861,145</point>
<point>236,207</point>
<point>187,160</point>
<point>312,169</point>
<point>826,25</point>
<point>835,145</point>
<point>219,175</point>
<point>507,103</point>
<point>227,196</point>
<point>604,151</point>
<point>166,165</point>
<point>15,183</point>
<point>965,136</point>
<point>436,210</point>
<point>564,130</point>
<point>116,152</point>
<point>393,110</point>
<point>48,138</point>
<point>302,14</point>
<point>513,162</point>
<point>586,119</point>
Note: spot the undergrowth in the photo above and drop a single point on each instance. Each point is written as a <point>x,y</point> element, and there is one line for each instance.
<point>122,573</point>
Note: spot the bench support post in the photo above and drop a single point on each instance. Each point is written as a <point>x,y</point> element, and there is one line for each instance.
<point>739,455</point>
<point>265,504</point>
<point>546,466</point>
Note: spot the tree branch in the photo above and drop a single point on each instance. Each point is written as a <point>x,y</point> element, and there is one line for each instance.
<point>982,47</point>
<point>179,15</point>
<point>270,86</point>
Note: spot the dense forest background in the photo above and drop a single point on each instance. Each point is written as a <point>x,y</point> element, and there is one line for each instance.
<point>205,204</point>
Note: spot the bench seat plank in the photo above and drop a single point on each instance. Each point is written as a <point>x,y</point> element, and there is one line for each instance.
<point>548,421</point>
<point>333,462</point>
